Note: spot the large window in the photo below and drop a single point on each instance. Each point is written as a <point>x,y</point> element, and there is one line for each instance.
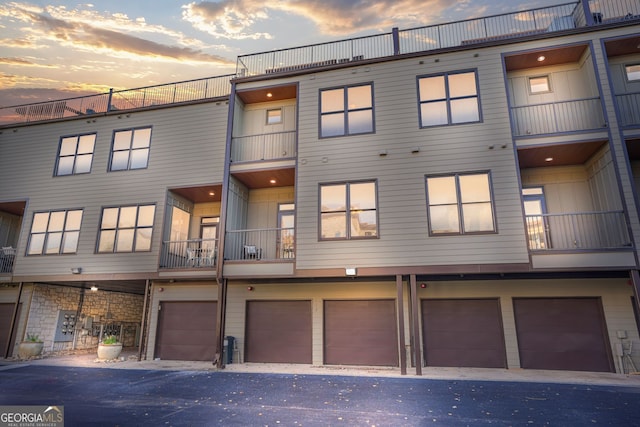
<point>126,229</point>
<point>448,99</point>
<point>348,211</point>
<point>346,110</point>
<point>130,149</point>
<point>460,204</point>
<point>55,232</point>
<point>75,154</point>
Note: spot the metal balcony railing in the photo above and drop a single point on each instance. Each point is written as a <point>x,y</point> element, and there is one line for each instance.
<point>193,253</point>
<point>260,245</point>
<point>121,100</point>
<point>270,146</point>
<point>578,231</point>
<point>7,257</point>
<point>614,10</point>
<point>629,109</point>
<point>557,117</point>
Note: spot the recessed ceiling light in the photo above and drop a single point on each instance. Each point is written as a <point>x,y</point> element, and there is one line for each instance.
<point>541,58</point>
<point>269,94</point>
<point>549,159</point>
<point>211,193</point>
<point>272,181</point>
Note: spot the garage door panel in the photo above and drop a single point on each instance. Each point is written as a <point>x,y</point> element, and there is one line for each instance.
<point>463,333</point>
<point>278,332</point>
<point>360,332</point>
<point>562,334</point>
<point>186,330</point>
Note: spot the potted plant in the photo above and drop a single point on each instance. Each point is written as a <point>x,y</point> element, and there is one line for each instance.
<point>109,348</point>
<point>31,347</point>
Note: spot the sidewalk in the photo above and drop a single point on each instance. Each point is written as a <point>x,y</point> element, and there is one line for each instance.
<point>128,360</point>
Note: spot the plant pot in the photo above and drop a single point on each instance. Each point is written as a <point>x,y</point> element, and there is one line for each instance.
<point>109,351</point>
<point>29,349</point>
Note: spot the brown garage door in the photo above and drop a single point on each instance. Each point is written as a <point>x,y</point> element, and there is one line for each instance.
<point>278,332</point>
<point>463,333</point>
<point>360,333</point>
<point>562,333</point>
<point>186,330</point>
<point>6,316</point>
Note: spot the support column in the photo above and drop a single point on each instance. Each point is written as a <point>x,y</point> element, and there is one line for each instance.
<point>401,337</point>
<point>220,320</point>
<point>635,284</point>
<point>14,319</point>
<point>415,329</point>
<point>143,322</point>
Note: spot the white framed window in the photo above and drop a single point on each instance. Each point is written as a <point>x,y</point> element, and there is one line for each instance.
<point>448,99</point>
<point>274,116</point>
<point>75,154</point>
<point>126,229</point>
<point>539,84</point>
<point>632,72</point>
<point>55,232</point>
<point>346,110</point>
<point>348,211</point>
<point>460,204</point>
<point>130,149</point>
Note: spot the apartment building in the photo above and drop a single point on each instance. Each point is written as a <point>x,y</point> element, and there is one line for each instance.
<point>463,194</point>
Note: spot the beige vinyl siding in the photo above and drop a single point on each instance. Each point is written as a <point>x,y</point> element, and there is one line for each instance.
<point>615,294</point>
<point>402,210</point>
<point>184,139</point>
<point>177,291</point>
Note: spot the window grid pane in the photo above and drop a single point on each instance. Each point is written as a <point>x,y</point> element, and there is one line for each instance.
<point>448,99</point>
<point>130,149</point>
<point>133,231</point>
<point>351,203</point>
<point>75,155</point>
<point>350,116</point>
<point>460,204</point>
<point>49,232</point>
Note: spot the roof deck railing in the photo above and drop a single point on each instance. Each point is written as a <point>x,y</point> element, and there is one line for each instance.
<point>120,100</point>
<point>421,39</point>
<point>468,32</point>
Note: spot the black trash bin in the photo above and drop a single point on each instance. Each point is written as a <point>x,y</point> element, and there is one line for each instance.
<point>229,346</point>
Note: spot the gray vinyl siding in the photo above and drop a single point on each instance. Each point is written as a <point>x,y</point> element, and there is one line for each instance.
<point>403,227</point>
<point>187,148</point>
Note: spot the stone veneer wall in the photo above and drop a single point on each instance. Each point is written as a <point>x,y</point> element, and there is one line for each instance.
<point>48,300</point>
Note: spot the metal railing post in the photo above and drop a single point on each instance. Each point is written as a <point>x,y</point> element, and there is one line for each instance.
<point>396,40</point>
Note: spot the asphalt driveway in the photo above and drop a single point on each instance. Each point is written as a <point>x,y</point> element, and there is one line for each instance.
<point>119,397</point>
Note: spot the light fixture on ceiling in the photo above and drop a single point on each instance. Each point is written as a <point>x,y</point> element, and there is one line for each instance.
<point>269,94</point>
<point>541,58</point>
<point>211,193</point>
<point>272,181</point>
<point>350,271</point>
<point>94,288</point>
<point>549,159</point>
<point>76,270</point>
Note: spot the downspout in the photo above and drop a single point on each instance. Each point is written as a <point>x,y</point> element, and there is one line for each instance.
<point>14,319</point>
<point>222,282</point>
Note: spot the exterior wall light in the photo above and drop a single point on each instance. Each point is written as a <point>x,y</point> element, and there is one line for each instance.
<point>350,271</point>
<point>76,270</point>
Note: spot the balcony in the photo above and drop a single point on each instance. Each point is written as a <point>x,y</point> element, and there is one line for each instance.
<point>558,117</point>
<point>189,254</point>
<point>264,147</point>
<point>274,244</point>
<point>578,231</point>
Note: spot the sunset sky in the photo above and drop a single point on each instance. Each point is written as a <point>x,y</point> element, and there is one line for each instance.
<point>61,49</point>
